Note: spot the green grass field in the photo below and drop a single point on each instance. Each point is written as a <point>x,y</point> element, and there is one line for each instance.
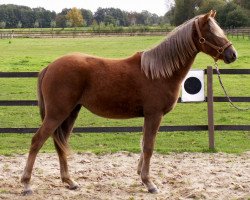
<point>35,54</point>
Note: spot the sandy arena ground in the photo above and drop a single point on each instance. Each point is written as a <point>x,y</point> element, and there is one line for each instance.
<point>113,176</point>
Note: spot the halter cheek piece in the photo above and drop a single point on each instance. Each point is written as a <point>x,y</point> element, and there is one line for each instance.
<point>203,41</point>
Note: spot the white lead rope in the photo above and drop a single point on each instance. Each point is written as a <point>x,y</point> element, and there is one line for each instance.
<point>229,99</point>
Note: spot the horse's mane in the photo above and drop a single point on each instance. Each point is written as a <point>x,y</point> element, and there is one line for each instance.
<point>169,55</point>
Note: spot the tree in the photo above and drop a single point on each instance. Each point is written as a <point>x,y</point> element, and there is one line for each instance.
<point>44,17</point>
<point>87,16</point>
<point>75,17</point>
<point>146,16</point>
<point>27,17</point>
<point>36,24</point>
<point>236,18</point>
<point>132,16</point>
<point>53,24</point>
<point>61,21</point>
<point>19,25</point>
<point>68,23</point>
<point>99,15</point>
<point>113,16</point>
<point>229,12</point>
<point>208,5</point>
<point>169,16</point>
<point>2,24</point>
<point>184,10</point>
<point>243,3</point>
<point>223,13</point>
<point>13,14</point>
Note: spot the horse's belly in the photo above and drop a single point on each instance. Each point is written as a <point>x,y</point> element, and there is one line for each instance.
<point>116,112</point>
<point>113,108</point>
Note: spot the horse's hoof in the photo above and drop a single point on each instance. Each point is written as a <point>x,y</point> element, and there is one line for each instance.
<point>153,191</point>
<point>27,192</point>
<point>73,187</point>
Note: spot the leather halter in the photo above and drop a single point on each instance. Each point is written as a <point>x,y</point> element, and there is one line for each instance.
<point>203,41</point>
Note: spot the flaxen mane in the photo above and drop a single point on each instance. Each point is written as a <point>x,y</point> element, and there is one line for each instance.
<point>173,52</point>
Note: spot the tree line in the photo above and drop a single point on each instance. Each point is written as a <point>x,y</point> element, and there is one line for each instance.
<point>15,16</point>
<point>230,13</point>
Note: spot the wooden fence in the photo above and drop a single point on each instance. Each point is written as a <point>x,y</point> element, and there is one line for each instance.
<point>210,99</point>
<point>46,33</point>
<point>239,32</point>
<point>79,33</point>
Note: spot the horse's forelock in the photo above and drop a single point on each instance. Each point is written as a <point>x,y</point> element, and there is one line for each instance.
<point>215,28</point>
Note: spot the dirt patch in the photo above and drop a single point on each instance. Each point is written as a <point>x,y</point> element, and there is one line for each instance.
<point>113,176</point>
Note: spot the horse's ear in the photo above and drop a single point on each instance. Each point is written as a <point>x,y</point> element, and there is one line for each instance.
<point>206,17</point>
<point>213,13</point>
<point>203,20</point>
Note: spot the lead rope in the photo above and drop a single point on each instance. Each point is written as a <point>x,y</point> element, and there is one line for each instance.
<point>229,99</point>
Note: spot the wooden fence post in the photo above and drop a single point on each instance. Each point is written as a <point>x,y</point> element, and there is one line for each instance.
<point>210,107</point>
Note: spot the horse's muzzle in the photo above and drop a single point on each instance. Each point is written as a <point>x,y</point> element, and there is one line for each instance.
<point>230,55</point>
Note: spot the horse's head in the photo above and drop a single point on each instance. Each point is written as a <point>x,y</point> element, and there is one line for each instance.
<point>210,39</point>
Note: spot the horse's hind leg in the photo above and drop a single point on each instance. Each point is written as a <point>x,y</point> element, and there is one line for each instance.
<point>43,133</point>
<point>140,161</point>
<point>151,126</point>
<point>65,129</point>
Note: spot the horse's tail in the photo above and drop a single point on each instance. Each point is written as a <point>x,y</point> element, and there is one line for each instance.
<point>40,94</point>
<point>60,138</point>
<point>60,135</point>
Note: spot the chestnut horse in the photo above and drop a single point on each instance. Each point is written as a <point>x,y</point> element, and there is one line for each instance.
<point>146,84</point>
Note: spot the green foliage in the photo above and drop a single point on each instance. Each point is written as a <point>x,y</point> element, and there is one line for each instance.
<point>223,13</point>
<point>206,6</point>
<point>53,24</point>
<point>61,18</point>
<point>113,16</point>
<point>184,10</point>
<point>243,3</point>
<point>19,25</point>
<point>2,24</point>
<point>229,13</point>
<point>87,16</point>
<point>74,16</point>
<point>13,14</point>
<point>236,18</point>
<point>36,24</point>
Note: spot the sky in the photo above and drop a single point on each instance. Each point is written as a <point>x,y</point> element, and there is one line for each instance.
<point>158,7</point>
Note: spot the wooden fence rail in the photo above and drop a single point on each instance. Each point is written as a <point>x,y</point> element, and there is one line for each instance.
<point>239,32</point>
<point>56,33</point>
<point>210,99</point>
<point>79,33</point>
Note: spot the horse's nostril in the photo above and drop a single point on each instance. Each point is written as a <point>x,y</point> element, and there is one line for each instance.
<point>234,55</point>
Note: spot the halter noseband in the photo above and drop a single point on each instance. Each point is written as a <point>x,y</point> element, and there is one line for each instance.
<point>203,41</point>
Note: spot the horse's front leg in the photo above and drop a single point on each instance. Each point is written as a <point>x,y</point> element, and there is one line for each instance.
<point>151,126</point>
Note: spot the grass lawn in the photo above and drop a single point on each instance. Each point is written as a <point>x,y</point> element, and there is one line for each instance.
<point>34,54</point>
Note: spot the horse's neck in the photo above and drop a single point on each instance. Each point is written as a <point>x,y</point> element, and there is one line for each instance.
<point>181,73</point>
